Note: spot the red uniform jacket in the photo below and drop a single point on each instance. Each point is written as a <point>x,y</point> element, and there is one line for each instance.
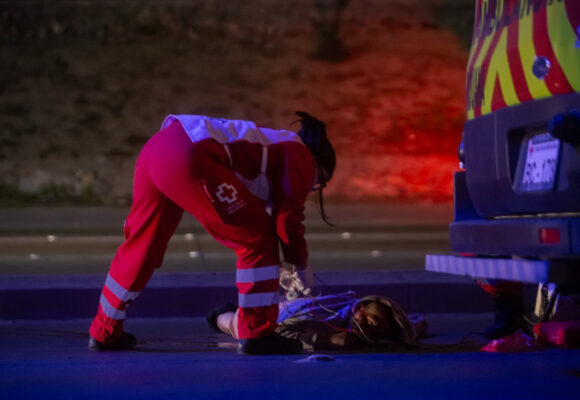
<point>274,165</point>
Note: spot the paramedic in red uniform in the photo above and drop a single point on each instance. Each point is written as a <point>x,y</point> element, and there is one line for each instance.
<point>247,186</point>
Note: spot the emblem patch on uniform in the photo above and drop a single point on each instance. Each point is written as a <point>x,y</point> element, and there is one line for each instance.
<point>227,193</point>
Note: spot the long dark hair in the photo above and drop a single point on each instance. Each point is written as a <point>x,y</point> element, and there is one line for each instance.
<point>313,135</point>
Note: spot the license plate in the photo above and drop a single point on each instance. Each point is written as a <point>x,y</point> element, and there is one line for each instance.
<point>541,163</point>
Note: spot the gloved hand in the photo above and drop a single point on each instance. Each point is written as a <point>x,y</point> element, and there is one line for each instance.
<point>297,282</point>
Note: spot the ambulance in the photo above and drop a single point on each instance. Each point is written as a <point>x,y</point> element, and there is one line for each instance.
<point>517,196</point>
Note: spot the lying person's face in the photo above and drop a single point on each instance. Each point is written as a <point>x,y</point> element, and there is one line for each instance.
<point>374,320</point>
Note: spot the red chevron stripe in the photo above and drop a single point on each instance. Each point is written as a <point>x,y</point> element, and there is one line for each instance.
<point>555,80</point>
<point>573,11</point>
<point>497,99</point>
<point>515,62</point>
<point>470,70</point>
<point>475,53</point>
<point>485,63</point>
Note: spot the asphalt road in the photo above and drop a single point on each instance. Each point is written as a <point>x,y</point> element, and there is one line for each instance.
<point>55,260</point>
<point>184,359</point>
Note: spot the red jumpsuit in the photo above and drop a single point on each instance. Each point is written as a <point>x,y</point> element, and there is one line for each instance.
<point>246,185</point>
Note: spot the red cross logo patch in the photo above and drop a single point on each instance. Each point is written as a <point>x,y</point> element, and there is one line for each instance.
<point>227,193</point>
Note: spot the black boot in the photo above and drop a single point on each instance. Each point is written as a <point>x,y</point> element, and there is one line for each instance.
<point>127,341</point>
<point>270,344</point>
<point>508,310</point>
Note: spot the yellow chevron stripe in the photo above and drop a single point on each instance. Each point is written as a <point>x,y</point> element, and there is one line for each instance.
<point>471,85</point>
<point>470,113</point>
<point>477,64</point>
<point>563,38</point>
<point>499,66</point>
<point>538,88</point>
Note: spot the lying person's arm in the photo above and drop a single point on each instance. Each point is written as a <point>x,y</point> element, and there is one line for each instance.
<point>338,341</point>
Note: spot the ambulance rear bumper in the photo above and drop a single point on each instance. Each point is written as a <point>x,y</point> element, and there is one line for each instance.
<point>510,269</point>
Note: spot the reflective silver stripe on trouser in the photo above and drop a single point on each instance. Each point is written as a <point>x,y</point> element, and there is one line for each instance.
<point>257,299</point>
<point>122,294</point>
<point>111,311</point>
<point>258,274</point>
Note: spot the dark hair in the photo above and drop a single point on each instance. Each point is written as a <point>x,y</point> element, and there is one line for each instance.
<point>387,312</point>
<point>313,135</point>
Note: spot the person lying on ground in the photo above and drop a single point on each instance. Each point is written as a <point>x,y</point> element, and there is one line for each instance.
<point>336,322</point>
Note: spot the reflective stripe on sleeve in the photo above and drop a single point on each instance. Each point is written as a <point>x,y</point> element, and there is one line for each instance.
<point>258,274</point>
<point>257,299</point>
<point>122,294</point>
<point>111,311</point>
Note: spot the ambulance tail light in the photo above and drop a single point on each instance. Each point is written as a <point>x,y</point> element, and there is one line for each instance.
<point>549,235</point>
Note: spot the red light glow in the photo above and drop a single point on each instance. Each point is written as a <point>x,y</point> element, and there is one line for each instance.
<point>549,235</point>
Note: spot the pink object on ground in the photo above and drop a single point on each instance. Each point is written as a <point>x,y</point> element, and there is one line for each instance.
<point>514,343</point>
<point>559,333</point>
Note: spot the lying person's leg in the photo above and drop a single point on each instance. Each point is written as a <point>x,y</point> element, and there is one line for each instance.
<point>228,323</point>
<point>224,318</point>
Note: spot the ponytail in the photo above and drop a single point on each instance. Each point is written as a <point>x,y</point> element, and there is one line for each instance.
<point>313,135</point>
